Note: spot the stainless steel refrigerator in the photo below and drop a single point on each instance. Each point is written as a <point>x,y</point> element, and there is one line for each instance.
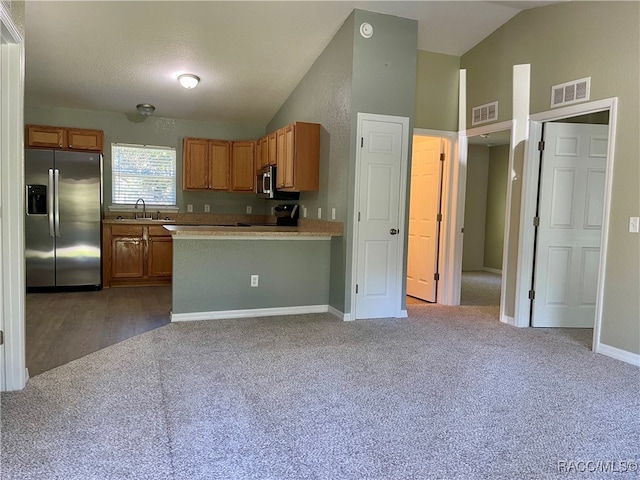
<point>63,220</point>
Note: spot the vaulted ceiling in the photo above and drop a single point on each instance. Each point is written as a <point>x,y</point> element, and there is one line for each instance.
<point>113,55</point>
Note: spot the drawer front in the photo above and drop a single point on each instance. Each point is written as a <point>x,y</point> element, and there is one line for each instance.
<point>127,230</point>
<point>158,231</point>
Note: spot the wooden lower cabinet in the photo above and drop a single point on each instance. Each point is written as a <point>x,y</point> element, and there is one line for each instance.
<point>136,255</point>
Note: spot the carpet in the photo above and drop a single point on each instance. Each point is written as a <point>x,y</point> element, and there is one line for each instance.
<point>448,393</point>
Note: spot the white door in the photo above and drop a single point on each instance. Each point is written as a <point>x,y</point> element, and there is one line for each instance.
<point>571,214</point>
<point>424,204</point>
<point>378,204</point>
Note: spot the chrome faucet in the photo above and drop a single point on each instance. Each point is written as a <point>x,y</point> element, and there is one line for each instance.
<point>144,208</point>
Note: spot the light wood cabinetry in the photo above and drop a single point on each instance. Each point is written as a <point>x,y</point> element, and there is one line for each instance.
<point>264,151</point>
<point>136,255</point>
<point>219,155</point>
<point>205,164</point>
<point>242,166</point>
<point>273,149</point>
<point>41,136</point>
<point>231,166</point>
<point>298,157</point>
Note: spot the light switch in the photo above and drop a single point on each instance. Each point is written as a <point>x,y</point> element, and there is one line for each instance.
<point>189,208</point>
<point>634,224</point>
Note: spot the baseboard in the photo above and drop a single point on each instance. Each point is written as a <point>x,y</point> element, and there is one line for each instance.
<point>618,354</point>
<point>508,320</point>
<point>345,317</point>
<point>253,312</point>
<point>492,270</point>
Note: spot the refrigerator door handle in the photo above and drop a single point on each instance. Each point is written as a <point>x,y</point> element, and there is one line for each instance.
<point>56,177</point>
<point>50,204</point>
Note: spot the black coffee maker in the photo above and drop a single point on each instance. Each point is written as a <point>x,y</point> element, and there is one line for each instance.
<point>287,215</point>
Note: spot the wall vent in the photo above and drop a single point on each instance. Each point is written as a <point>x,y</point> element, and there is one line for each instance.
<point>484,113</point>
<point>570,92</point>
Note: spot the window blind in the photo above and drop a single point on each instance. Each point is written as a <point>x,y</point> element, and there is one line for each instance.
<point>141,171</point>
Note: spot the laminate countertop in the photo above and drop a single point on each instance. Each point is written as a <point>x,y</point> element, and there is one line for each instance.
<point>254,231</point>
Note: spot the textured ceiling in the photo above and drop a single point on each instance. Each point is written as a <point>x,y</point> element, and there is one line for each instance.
<point>110,56</point>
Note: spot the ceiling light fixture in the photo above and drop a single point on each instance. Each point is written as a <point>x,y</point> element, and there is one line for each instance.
<point>145,109</point>
<point>188,80</point>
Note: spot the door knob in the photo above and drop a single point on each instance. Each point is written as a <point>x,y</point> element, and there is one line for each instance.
<point>393,231</point>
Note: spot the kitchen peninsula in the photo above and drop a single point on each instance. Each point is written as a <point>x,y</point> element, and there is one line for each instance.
<point>214,267</point>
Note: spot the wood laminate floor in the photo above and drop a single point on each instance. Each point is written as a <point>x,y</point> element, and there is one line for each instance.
<point>61,327</point>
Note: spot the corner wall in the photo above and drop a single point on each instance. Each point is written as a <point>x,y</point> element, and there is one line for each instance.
<point>564,42</point>
<point>353,74</point>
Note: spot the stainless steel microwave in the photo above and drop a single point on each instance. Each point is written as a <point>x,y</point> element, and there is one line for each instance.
<point>266,186</point>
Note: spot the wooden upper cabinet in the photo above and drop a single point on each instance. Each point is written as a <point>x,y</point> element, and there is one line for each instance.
<point>39,136</point>
<point>289,155</point>
<point>280,157</point>
<point>219,154</point>
<point>242,166</point>
<point>298,157</point>
<point>258,155</point>
<point>82,139</point>
<point>273,150</point>
<point>264,151</point>
<point>195,174</point>
<point>46,137</point>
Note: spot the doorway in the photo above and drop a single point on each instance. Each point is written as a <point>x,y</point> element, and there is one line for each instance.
<point>569,221</point>
<point>529,207</point>
<point>485,218</point>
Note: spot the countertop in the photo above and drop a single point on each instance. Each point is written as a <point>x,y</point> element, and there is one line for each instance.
<point>253,231</point>
<point>225,226</point>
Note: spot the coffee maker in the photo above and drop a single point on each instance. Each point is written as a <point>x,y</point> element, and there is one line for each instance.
<point>287,215</point>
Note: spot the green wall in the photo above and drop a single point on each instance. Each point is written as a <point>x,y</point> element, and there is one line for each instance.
<point>496,206</point>
<point>353,74</point>
<point>564,42</point>
<point>475,208</point>
<point>291,273</point>
<point>438,80</point>
<point>169,132</point>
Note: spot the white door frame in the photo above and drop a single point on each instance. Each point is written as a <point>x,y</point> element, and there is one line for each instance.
<point>12,203</point>
<point>473,132</point>
<point>528,207</point>
<point>446,247</point>
<point>402,203</point>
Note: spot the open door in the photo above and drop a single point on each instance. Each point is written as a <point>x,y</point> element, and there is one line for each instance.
<point>570,217</point>
<point>424,218</point>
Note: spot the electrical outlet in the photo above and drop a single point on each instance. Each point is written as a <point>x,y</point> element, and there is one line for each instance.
<point>304,212</point>
<point>634,224</point>
<point>255,280</point>
<point>249,209</point>
<point>319,212</point>
<point>189,208</point>
<point>273,210</point>
<point>207,208</point>
<point>333,214</point>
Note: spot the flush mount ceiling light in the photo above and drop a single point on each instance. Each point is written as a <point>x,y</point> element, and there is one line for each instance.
<point>145,109</point>
<point>188,80</point>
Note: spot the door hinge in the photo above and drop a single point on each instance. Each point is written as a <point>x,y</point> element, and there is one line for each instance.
<point>532,294</point>
<point>439,217</point>
<point>356,288</point>
<point>541,145</point>
<point>358,216</point>
<point>436,276</point>
<point>1,337</point>
<point>442,157</point>
<point>361,142</point>
<point>536,221</point>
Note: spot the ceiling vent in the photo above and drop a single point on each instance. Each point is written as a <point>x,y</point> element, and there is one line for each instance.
<point>570,92</point>
<point>484,113</point>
